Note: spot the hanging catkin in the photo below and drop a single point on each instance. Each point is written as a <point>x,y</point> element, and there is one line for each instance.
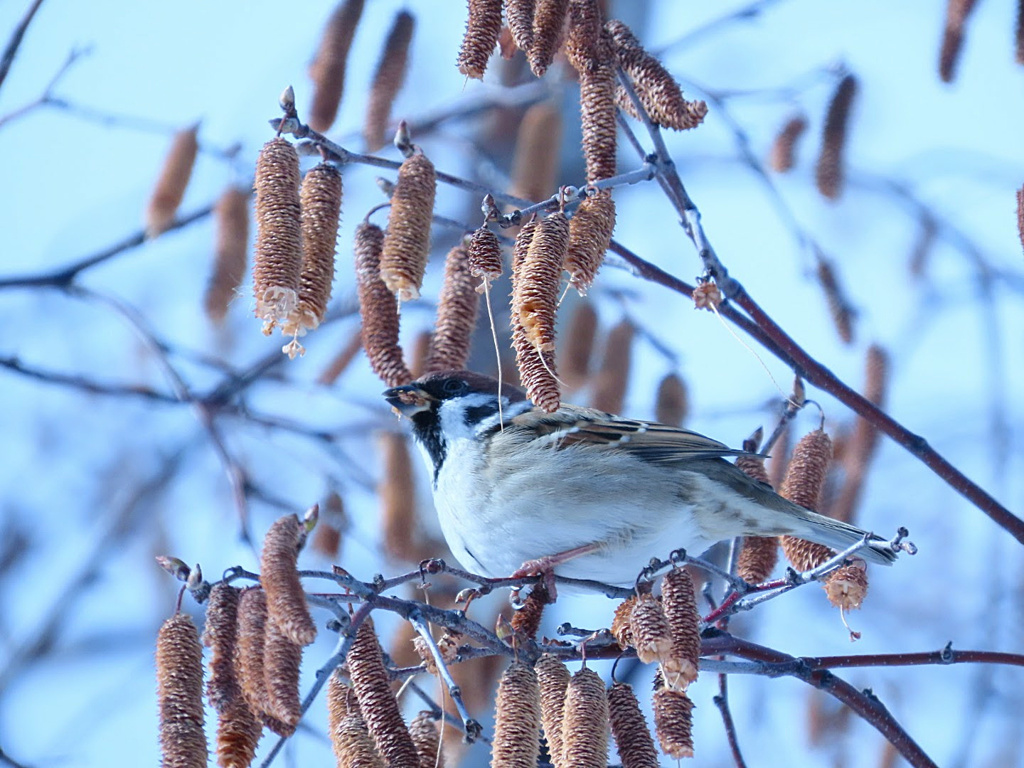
<point>407,240</point>
<point>328,67</point>
<point>538,145</point>
<point>673,722</point>
<point>590,232</point>
<point>519,15</point>
<point>457,309</point>
<point>759,554</point>
<point>278,261</point>
<point>286,600</point>
<point>484,254</point>
<point>174,177</point>
<point>387,81</point>
<point>179,674</point>
<point>829,171</point>
<point>805,479</point>
<point>548,18</point>
<point>680,601</point>
<point>783,154</point>
<point>282,660</point>
<point>482,29</point>
<point>516,741</point>
<point>585,722</point>
<point>553,677</point>
<point>231,251</point>
<point>378,309</point>
<point>535,292</point>
<point>629,727</point>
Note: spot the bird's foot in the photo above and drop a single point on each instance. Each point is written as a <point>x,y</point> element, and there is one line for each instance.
<point>545,566</point>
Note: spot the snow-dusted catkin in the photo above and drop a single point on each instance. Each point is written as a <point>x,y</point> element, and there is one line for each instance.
<point>457,309</point>
<point>759,554</point>
<point>585,722</point>
<point>553,677</point>
<point>174,177</point>
<point>377,701</point>
<point>484,253</point>
<point>407,240</point>
<point>652,636</point>
<point>657,90</point>
<point>838,307</point>
<point>672,403</point>
<point>590,232</point>
<point>612,378</point>
<point>321,207</point>
<point>179,675</point>
<point>629,727</point>
<point>574,361</point>
<point>597,112</point>
<point>535,292</point>
<point>482,29</point>
<point>829,173</point>
<point>328,67</point>
<point>538,149</point>
<point>278,261</point>
<point>679,599</point>
<point>378,309</point>
<point>387,81</point>
<point>232,223</point>
<point>519,15</point>
<point>548,18</point>
<point>516,741</point>
<point>805,479</point>
<point>286,600</point>
<point>397,499</point>
<point>673,722</point>
<point>783,154</point>
<point>427,740</point>
<point>282,660</point>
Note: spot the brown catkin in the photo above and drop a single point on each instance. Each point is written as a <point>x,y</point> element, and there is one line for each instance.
<point>838,307</point>
<point>321,206</point>
<point>957,12</point>
<point>1020,192</point>
<point>783,155</point>
<point>548,18</point>
<point>759,554</point>
<point>829,170</point>
<point>612,378</point>
<point>673,722</point>
<point>590,233</point>
<point>407,241</point>
<point>341,361</point>
<point>427,739</point>
<point>378,309</point>
<point>526,620</point>
<point>278,261</point>
<point>282,660</point>
<point>457,309</point>
<point>377,701</point>
<point>482,29</point>
<point>179,675</point>
<point>536,160</point>
<point>519,15</point>
<point>387,81</point>
<point>862,445</point>
<point>328,67</point>
<point>672,402</point>
<point>622,627</point>
<point>574,360</point>
<point>238,734</point>
<point>679,598</point>
<point>553,677</point>
<point>805,479</point>
<point>397,499</point>
<point>585,722</point>
<point>220,636</point>
<point>597,112</point>
<point>516,741</point>
<point>286,600</point>
<point>657,90</point>
<point>535,290</point>
<point>584,33</point>
<point>484,253</point>
<point>847,587</point>
<point>629,727</point>
<point>249,668</point>
<point>232,223</point>
<point>536,367</point>
<point>1019,37</point>
<point>652,636</point>
<point>174,177</point>
<point>420,349</point>
<point>353,746</point>
<point>341,701</point>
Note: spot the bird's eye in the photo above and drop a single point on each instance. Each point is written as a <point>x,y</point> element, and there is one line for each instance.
<point>454,387</point>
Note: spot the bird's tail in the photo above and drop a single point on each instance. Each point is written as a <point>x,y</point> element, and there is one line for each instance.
<point>838,535</point>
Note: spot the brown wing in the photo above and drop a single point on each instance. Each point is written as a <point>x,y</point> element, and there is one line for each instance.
<point>646,440</point>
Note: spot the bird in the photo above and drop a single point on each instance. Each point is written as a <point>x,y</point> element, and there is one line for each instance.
<point>585,494</point>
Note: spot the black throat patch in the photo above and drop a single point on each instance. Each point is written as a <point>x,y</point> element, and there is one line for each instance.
<point>426,427</point>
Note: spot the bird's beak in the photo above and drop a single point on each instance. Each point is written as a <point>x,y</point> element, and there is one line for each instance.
<point>408,400</point>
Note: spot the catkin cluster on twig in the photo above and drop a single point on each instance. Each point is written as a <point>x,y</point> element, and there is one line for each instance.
<point>805,479</point>
<point>278,261</point>
<point>174,177</point>
<point>585,722</point>
<point>517,717</point>
<point>482,29</point>
<point>179,674</point>
<point>590,232</point>
<point>407,240</point>
<point>378,309</point>
<point>457,309</point>
<point>829,173</point>
<point>327,69</point>
<point>231,251</point>
<point>657,90</point>
<point>387,81</point>
<point>629,727</point>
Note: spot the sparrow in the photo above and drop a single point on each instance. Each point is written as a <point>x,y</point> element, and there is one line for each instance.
<point>585,494</point>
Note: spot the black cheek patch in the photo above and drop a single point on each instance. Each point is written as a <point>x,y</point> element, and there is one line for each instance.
<point>478,413</point>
